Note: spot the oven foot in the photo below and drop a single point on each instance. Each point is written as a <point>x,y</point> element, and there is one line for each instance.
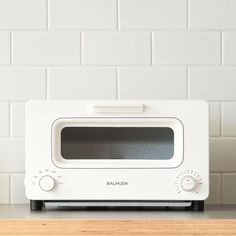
<point>36,205</point>
<point>197,206</point>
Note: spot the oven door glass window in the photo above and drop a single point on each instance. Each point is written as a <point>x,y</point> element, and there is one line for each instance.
<point>149,143</point>
<point>117,143</point>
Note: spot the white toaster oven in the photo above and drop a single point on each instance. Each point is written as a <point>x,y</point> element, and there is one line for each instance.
<point>117,153</point>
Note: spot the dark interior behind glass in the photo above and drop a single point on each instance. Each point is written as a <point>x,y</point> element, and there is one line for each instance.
<point>153,143</point>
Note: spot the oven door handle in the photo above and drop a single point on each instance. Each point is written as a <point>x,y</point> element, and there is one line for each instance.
<point>118,108</point>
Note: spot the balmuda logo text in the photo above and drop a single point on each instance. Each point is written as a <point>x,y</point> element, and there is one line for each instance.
<point>119,183</point>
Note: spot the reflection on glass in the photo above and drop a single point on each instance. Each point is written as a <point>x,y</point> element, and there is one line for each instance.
<point>154,143</point>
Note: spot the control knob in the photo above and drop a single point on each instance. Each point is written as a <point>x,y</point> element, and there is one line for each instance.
<point>47,183</point>
<point>188,183</point>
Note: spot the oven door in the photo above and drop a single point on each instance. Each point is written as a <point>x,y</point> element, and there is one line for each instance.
<point>117,143</point>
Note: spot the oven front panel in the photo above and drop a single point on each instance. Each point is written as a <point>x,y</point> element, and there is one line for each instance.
<point>115,184</point>
<point>127,161</point>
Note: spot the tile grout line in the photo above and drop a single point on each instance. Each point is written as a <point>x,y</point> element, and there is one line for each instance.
<point>123,65</point>
<point>10,119</point>
<point>223,137</point>
<point>81,48</point>
<point>122,30</point>
<point>221,119</point>
<point>117,83</point>
<point>47,15</point>
<point>221,188</point>
<point>187,15</point>
<point>117,17</point>
<point>154,60</point>
<point>9,188</point>
<point>151,47</point>
<point>187,82</point>
<point>12,173</point>
<point>47,83</point>
<point>221,48</point>
<point>12,137</point>
<point>11,49</point>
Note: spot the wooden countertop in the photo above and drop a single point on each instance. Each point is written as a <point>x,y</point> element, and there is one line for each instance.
<point>18,220</point>
<point>216,227</point>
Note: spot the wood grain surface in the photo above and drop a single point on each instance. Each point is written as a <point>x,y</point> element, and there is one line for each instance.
<point>194,227</point>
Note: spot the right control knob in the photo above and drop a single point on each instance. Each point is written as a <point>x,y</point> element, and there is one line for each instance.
<point>188,183</point>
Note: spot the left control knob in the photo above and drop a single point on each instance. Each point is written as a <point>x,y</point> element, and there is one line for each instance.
<point>47,183</point>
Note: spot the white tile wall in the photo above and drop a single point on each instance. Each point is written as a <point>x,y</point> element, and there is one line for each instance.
<point>212,83</point>
<point>82,83</point>
<point>229,48</point>
<point>46,48</point>
<point>22,83</point>
<point>229,119</point>
<point>118,49</point>
<point>4,118</point>
<point>12,154</point>
<point>222,154</point>
<point>212,14</point>
<point>186,48</point>
<point>215,118</point>
<point>23,14</point>
<point>17,119</point>
<point>229,190</point>
<point>5,190</point>
<point>215,189</point>
<point>83,14</point>
<point>17,189</point>
<point>152,14</point>
<point>159,83</point>
<point>5,48</point>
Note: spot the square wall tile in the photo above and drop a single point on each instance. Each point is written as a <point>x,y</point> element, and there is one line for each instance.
<point>4,188</point>
<point>152,14</point>
<point>186,48</point>
<point>83,14</point>
<point>116,48</point>
<point>229,188</point>
<point>23,14</point>
<point>4,118</point>
<point>152,83</point>
<point>18,189</point>
<point>12,155</point>
<point>17,119</point>
<point>215,189</point>
<point>229,119</point>
<point>212,83</point>
<point>82,83</point>
<point>22,83</point>
<point>214,108</point>
<point>223,154</point>
<point>46,48</point>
